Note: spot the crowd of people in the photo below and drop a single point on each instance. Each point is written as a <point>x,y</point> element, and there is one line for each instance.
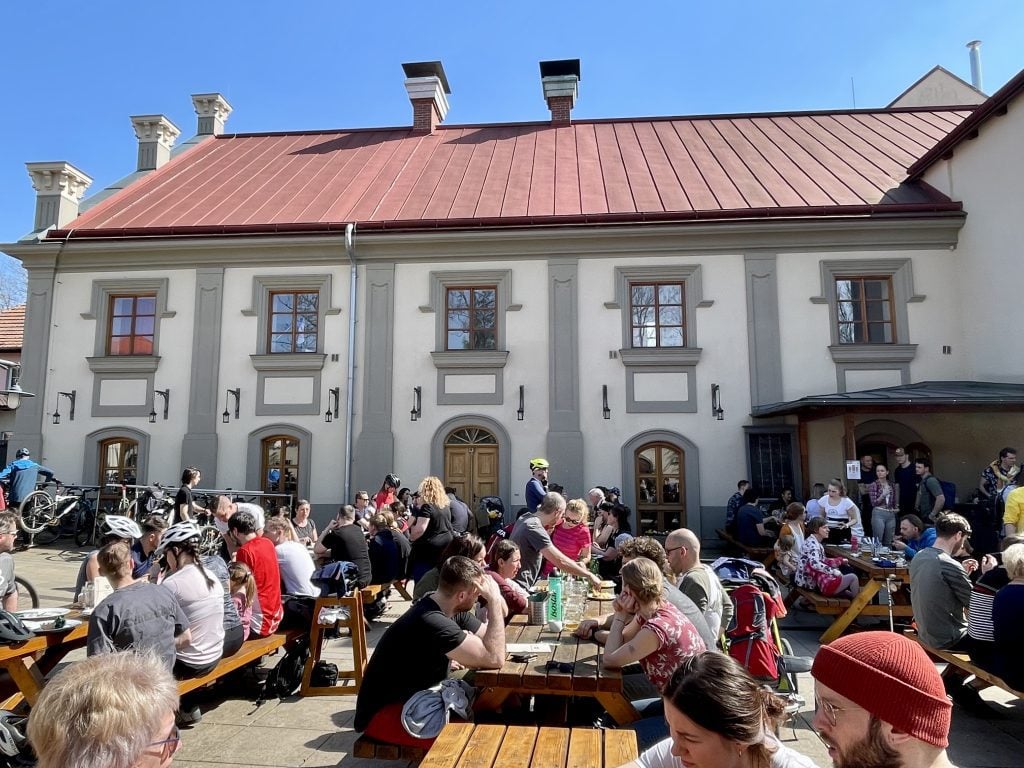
<point>173,613</point>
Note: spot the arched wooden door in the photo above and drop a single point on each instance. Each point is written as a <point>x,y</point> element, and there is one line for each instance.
<point>660,487</point>
<point>279,459</point>
<point>471,463</point>
<point>119,463</point>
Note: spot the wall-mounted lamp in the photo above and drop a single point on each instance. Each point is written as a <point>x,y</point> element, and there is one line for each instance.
<point>72,395</point>
<point>237,394</point>
<point>521,412</point>
<point>166,395</point>
<point>716,402</point>
<point>417,404</point>
<point>11,398</point>
<point>605,410</point>
<point>333,395</point>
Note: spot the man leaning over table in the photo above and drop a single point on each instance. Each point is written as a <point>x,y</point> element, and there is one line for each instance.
<point>531,533</point>
<point>415,653</point>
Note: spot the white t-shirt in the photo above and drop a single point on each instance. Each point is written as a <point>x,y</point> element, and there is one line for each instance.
<point>204,607</point>
<point>660,756</point>
<point>839,514</point>
<point>243,506</point>
<point>296,567</point>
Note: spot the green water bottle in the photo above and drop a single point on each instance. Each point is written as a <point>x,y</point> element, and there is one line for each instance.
<point>555,607</point>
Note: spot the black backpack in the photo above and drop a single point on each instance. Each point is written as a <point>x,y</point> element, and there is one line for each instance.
<point>286,676</point>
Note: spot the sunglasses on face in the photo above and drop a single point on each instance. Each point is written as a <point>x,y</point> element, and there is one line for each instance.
<point>573,520</point>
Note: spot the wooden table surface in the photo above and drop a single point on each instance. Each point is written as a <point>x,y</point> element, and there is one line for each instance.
<point>496,746</point>
<point>28,663</point>
<point>587,677</point>
<point>874,579</point>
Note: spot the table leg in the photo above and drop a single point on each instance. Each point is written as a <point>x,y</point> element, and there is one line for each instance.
<point>618,706</point>
<point>26,676</point>
<point>845,619</point>
<point>491,699</point>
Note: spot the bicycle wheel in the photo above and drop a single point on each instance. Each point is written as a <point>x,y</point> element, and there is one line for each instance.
<point>209,540</point>
<point>36,511</point>
<point>86,525</point>
<point>26,594</point>
<point>48,535</point>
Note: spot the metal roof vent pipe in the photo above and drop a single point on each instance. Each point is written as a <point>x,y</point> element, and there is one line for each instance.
<point>156,136</point>
<point>213,110</point>
<point>59,189</point>
<point>428,91</point>
<point>560,80</point>
<point>975,46</point>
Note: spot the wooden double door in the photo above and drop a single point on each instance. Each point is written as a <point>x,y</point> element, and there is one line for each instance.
<point>471,463</point>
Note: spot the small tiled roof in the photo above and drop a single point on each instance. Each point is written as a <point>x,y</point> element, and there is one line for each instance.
<point>923,395</point>
<point>12,328</point>
<point>658,169</point>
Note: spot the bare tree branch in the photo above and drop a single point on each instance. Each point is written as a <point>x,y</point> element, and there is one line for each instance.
<point>13,283</point>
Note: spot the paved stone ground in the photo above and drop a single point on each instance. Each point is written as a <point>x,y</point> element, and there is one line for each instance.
<point>317,731</point>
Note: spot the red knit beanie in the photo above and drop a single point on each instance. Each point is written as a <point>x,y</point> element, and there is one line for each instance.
<point>892,678</point>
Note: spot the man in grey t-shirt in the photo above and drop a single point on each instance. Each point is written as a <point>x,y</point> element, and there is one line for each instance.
<point>940,589</point>
<point>531,535</point>
<point>8,535</point>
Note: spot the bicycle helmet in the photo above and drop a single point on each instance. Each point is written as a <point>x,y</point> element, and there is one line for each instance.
<point>392,481</point>
<point>180,533</point>
<point>13,629</point>
<point>12,733</point>
<point>22,453</point>
<point>538,463</point>
<point>122,527</point>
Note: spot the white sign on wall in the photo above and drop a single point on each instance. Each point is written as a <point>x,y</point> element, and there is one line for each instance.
<point>853,469</point>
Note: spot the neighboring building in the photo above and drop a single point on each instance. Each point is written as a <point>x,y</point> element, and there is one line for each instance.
<point>939,88</point>
<point>572,289</point>
<point>12,325</point>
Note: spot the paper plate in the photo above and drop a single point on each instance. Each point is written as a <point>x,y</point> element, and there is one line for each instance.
<point>41,614</point>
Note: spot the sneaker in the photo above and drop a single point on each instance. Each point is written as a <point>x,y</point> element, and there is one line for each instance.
<point>188,718</point>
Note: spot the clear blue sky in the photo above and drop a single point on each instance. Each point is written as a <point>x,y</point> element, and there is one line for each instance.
<point>74,71</point>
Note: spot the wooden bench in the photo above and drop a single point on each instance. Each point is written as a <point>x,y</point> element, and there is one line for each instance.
<point>826,606</point>
<point>962,661</point>
<point>377,750</point>
<point>765,555</point>
<point>251,650</point>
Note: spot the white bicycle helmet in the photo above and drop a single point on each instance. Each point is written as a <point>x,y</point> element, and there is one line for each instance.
<point>180,533</point>
<point>121,526</point>
<point>12,733</point>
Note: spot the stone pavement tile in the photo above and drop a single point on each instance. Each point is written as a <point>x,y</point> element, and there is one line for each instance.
<point>282,747</point>
<point>234,711</point>
<point>335,750</point>
<point>980,743</point>
<point>204,739</point>
<point>318,713</point>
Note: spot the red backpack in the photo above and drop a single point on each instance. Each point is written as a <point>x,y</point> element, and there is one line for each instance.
<point>750,638</point>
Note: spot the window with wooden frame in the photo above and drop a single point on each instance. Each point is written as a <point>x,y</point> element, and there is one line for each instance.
<point>132,325</point>
<point>657,314</point>
<point>471,317</point>
<point>294,321</point>
<point>279,459</point>
<point>119,463</point>
<point>864,310</point>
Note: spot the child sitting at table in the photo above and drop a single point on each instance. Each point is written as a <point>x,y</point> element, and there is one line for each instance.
<point>243,593</point>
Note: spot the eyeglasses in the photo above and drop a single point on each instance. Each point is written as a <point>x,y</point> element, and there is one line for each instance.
<point>573,520</point>
<point>362,498</point>
<point>670,550</point>
<point>831,710</point>
<point>8,533</point>
<point>169,745</point>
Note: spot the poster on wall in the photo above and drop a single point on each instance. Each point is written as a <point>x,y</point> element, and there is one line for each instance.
<point>853,469</point>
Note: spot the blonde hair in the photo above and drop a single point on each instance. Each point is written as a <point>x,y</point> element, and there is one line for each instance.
<point>580,507</point>
<point>1013,561</point>
<point>431,491</point>
<point>383,521</point>
<point>644,579</point>
<point>240,577</point>
<point>115,559</point>
<point>786,543</point>
<point>283,526</point>
<point>105,710</point>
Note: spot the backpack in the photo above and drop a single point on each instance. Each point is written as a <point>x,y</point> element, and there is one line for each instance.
<point>750,640</point>
<point>499,535</point>
<point>286,676</point>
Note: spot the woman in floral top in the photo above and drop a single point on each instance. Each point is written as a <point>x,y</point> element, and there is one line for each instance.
<point>651,631</point>
<point>820,573</point>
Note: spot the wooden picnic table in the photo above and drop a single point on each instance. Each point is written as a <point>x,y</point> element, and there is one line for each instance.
<point>28,663</point>
<point>873,578</point>
<point>585,676</point>
<point>485,746</point>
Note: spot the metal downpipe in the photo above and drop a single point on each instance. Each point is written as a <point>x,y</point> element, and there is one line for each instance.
<point>350,250</point>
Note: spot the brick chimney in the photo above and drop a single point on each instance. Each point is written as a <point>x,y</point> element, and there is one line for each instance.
<point>156,134</point>
<point>428,90</point>
<point>213,110</point>
<point>59,189</point>
<point>560,80</point>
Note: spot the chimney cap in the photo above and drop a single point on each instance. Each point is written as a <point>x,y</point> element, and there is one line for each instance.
<point>560,68</point>
<point>427,69</point>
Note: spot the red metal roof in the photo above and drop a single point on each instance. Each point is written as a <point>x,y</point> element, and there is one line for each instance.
<point>12,328</point>
<point>515,174</point>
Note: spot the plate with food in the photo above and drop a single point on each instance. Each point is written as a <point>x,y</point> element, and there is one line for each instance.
<point>41,614</point>
<point>59,624</point>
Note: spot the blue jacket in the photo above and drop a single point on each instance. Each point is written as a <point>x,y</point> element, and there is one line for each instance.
<point>925,540</point>
<point>534,494</point>
<point>23,474</point>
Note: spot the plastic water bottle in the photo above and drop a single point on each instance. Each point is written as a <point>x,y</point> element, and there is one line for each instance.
<point>555,603</point>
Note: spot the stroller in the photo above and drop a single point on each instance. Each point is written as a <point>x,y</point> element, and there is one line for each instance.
<point>753,633</point>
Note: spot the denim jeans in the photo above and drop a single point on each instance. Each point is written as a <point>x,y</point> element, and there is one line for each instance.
<point>883,525</point>
<point>651,727</point>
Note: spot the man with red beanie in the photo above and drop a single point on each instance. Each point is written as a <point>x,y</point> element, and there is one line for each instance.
<point>880,703</point>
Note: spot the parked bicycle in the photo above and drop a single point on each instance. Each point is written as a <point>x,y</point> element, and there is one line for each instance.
<point>46,517</point>
<point>27,595</point>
